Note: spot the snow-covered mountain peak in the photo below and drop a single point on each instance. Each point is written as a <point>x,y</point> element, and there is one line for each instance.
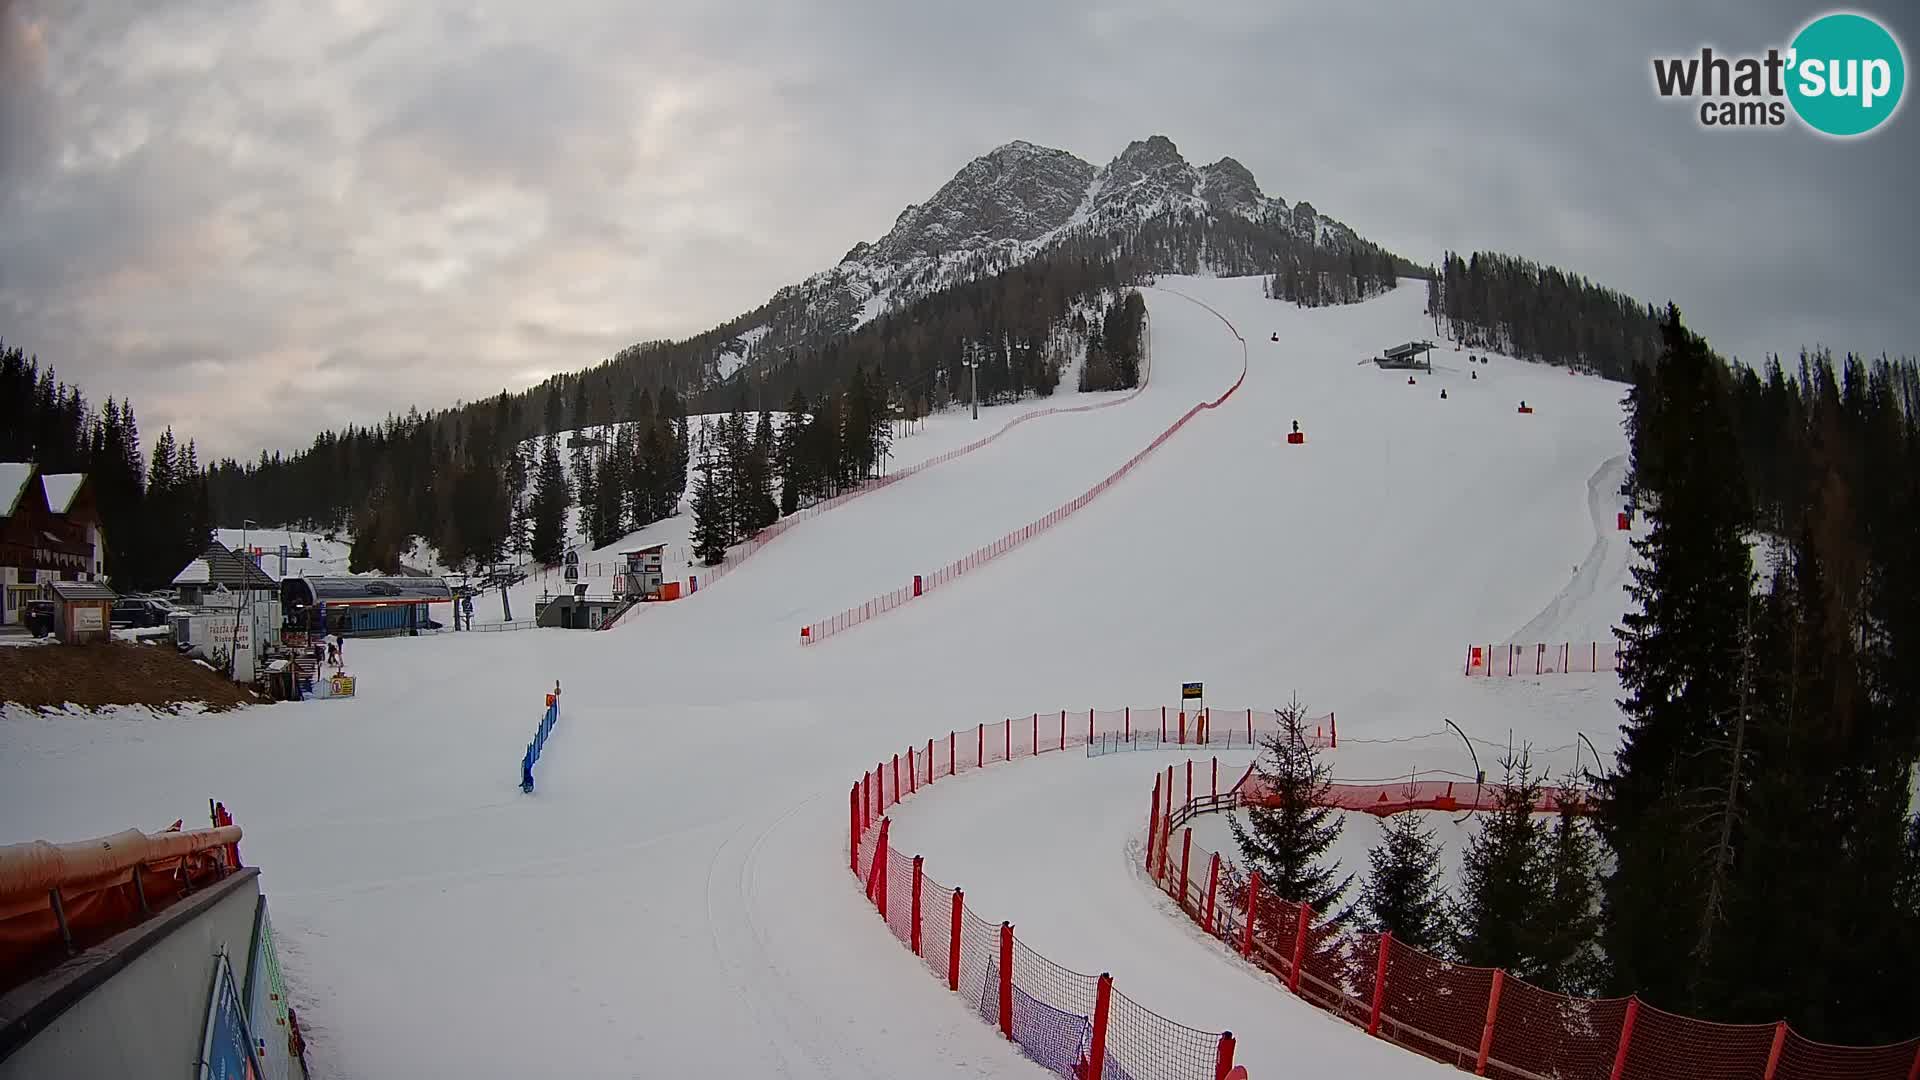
<point>1020,200</point>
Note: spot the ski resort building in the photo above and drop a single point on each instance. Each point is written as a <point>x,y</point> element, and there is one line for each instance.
<point>1412,355</point>
<point>49,531</point>
<point>363,606</point>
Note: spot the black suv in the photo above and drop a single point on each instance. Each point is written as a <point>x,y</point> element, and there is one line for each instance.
<point>130,611</point>
<point>39,617</point>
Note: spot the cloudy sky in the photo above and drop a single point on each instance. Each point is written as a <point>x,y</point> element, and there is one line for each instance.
<point>260,218</point>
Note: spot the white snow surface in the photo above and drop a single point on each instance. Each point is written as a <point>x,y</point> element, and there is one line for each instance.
<point>13,479</point>
<point>60,489</point>
<point>674,897</point>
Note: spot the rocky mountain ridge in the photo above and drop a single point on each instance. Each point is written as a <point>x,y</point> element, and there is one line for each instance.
<point>1012,204</point>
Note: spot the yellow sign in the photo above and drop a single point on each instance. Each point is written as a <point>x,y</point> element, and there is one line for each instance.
<point>342,685</point>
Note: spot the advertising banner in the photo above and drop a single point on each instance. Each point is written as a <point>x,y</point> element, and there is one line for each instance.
<point>267,1002</point>
<point>227,1051</point>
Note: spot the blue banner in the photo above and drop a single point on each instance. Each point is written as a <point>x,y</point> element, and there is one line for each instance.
<point>227,1052</point>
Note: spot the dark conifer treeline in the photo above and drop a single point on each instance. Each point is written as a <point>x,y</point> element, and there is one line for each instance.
<point>156,518</point>
<point>1759,811</point>
<point>1542,313</point>
<point>1021,325</point>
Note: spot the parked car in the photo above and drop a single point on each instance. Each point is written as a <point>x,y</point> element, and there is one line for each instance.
<point>39,617</point>
<point>131,611</point>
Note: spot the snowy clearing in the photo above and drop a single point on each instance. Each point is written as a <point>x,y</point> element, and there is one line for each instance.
<point>676,889</point>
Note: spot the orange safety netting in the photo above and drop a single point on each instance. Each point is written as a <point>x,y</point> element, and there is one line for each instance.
<point>101,887</point>
<point>1482,1020</point>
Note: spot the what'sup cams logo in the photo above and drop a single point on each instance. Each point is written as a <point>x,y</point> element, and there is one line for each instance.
<point>1842,75</point>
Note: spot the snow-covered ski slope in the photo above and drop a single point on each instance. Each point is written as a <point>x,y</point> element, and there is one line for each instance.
<point>950,432</point>
<point>673,899</point>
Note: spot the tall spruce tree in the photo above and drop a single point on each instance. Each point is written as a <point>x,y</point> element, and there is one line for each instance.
<point>1403,893</point>
<point>1498,915</point>
<point>1288,833</point>
<point>789,461</point>
<point>551,501</point>
<point>711,515</point>
<point>1569,958</point>
<point>1681,662</point>
<point>762,509</point>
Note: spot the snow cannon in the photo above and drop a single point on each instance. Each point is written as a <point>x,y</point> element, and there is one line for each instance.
<point>1296,437</point>
<point>1475,374</point>
<point>1275,337</point>
<point>1409,380</point>
<point>1443,393</point>
<point>1526,409</point>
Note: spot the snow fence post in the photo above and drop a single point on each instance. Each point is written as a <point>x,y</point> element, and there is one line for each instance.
<point>916,904</point>
<point>951,737</point>
<point>1007,733</point>
<point>1213,888</point>
<point>1223,1063</point>
<point>1097,1046</point>
<point>1493,1012</point>
<point>1299,947</point>
<point>1626,1040</point>
<point>1215,790</point>
<point>1153,822</point>
<point>896,779</point>
<point>1089,727</point>
<point>929,761</point>
<point>1189,782</point>
<point>1253,904</point>
<point>876,881</point>
<point>1186,856</point>
<point>1036,735</point>
<point>1063,729</point>
<point>1163,723</point>
<point>1379,981</point>
<point>1006,979</point>
<point>853,829</point>
<point>953,939</point>
<point>980,751</point>
<point>1126,724</point>
<point>1183,727</point>
<point>1773,1053</point>
<point>913,774</point>
<point>1333,725</point>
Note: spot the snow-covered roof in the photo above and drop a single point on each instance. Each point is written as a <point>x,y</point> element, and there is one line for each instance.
<point>196,572</point>
<point>61,488</point>
<point>13,480</point>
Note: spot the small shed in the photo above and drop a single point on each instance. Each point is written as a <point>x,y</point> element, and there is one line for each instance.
<point>642,573</point>
<point>577,610</point>
<point>82,610</point>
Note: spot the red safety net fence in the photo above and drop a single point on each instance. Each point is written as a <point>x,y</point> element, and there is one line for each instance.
<point>705,576</point>
<point>1074,1024</point>
<point>1478,1019</point>
<point>1542,658</point>
<point>925,583</point>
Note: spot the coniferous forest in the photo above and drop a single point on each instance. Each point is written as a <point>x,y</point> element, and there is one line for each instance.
<point>1755,851</point>
<point>154,509</point>
<point>1541,313</point>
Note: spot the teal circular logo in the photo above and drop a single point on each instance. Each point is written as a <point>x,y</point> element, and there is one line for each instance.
<point>1846,74</point>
